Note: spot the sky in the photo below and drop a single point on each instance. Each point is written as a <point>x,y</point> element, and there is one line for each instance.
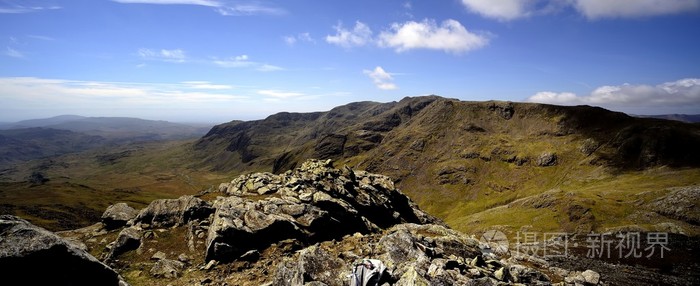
<point>222,60</point>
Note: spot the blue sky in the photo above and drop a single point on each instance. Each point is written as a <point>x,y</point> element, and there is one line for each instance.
<point>220,60</point>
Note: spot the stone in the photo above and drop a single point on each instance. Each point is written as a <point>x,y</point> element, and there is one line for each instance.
<point>158,256</point>
<point>501,274</point>
<point>174,212</point>
<point>117,215</point>
<point>30,255</point>
<point>547,159</point>
<point>167,268</point>
<point>210,265</point>
<point>591,277</point>
<point>127,240</point>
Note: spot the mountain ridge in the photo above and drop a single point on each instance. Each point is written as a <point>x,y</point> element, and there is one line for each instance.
<point>457,159</point>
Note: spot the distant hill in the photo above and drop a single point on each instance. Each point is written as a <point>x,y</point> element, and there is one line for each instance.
<point>37,138</point>
<point>126,128</point>
<point>688,118</point>
<point>37,142</point>
<point>42,122</point>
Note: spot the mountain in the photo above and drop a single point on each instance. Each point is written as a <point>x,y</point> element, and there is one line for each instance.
<point>124,128</point>
<point>37,142</point>
<point>479,164</point>
<point>42,122</point>
<point>688,118</point>
<point>38,138</point>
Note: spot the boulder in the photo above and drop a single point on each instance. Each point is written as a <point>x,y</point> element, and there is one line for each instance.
<point>174,212</point>
<point>127,240</point>
<point>30,255</point>
<point>117,215</point>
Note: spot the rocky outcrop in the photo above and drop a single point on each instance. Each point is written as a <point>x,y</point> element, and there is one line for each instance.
<point>413,254</point>
<point>680,203</point>
<point>172,212</point>
<point>30,255</point>
<point>117,215</point>
<point>312,203</point>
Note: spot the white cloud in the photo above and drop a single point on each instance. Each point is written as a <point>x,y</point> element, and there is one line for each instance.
<point>10,52</point>
<point>11,8</point>
<point>279,93</point>
<point>234,62</point>
<point>680,93</point>
<point>382,79</point>
<point>268,68</point>
<point>206,85</point>
<point>19,93</point>
<point>360,35</point>
<point>301,37</point>
<point>595,9</point>
<point>503,10</point>
<point>243,61</point>
<point>208,3</point>
<point>226,8</point>
<point>507,10</point>
<point>176,55</point>
<point>450,36</point>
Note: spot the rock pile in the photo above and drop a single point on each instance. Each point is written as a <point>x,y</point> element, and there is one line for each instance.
<point>414,255</point>
<point>310,204</point>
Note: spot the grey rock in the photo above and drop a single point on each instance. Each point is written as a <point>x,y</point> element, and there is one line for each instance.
<point>680,203</point>
<point>117,215</point>
<point>174,212</point>
<point>547,159</point>
<point>591,277</point>
<point>30,255</point>
<point>314,203</point>
<point>414,254</point>
<point>158,256</point>
<point>167,268</point>
<point>127,240</point>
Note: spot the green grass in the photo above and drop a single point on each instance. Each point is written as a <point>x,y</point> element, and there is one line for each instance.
<point>81,188</point>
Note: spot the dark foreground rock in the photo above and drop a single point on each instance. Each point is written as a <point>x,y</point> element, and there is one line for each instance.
<point>30,255</point>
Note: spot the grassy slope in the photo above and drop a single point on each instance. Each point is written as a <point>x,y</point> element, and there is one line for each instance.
<point>81,185</point>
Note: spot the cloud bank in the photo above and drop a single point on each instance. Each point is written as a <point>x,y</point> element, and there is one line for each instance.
<point>450,36</point>
<point>226,8</point>
<point>507,10</point>
<point>680,93</point>
<point>360,35</point>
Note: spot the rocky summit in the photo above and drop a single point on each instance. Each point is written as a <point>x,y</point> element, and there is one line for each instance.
<point>307,226</point>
